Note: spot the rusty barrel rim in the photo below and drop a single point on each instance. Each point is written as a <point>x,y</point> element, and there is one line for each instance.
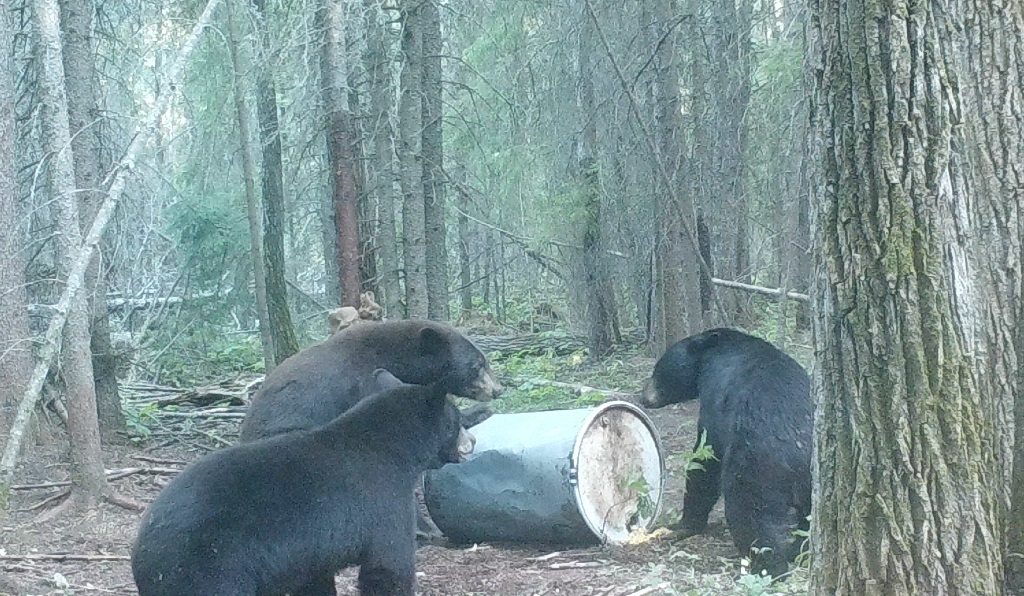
<point>596,525</point>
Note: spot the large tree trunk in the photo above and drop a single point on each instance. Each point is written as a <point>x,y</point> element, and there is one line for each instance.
<point>906,493</point>
<point>676,260</point>
<point>993,87</point>
<point>88,481</point>
<point>252,206</point>
<point>15,344</point>
<point>410,112</point>
<point>274,216</point>
<point>595,285</point>
<point>90,168</point>
<point>341,150</point>
<point>433,164</point>
<point>381,168</point>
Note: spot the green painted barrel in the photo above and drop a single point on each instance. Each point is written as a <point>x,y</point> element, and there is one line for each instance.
<point>582,476</point>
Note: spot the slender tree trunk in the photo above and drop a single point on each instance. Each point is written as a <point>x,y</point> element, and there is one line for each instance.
<point>594,279</point>
<point>906,494</point>
<point>465,264</point>
<point>436,251</point>
<point>727,31</point>
<point>15,338</point>
<point>274,216</point>
<point>341,150</point>
<point>992,55</point>
<point>676,261</point>
<point>252,206</point>
<point>84,117</point>
<point>382,164</point>
<point>88,481</point>
<point>411,158</point>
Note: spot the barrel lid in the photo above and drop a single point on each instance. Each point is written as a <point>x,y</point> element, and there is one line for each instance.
<point>619,471</point>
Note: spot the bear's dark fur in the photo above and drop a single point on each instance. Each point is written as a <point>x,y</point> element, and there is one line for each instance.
<point>321,382</point>
<point>284,514</point>
<point>756,408</point>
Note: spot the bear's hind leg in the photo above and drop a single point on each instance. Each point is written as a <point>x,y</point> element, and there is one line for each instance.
<point>703,487</point>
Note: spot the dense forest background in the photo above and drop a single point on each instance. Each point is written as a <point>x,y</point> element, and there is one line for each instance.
<point>217,178</point>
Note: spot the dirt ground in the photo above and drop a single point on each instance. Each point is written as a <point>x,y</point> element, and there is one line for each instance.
<point>96,544</point>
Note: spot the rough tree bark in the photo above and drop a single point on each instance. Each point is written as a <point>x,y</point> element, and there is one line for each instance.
<point>410,115</point>
<point>285,342</point>
<point>90,168</point>
<point>252,205</point>
<point>676,261</point>
<point>436,234</point>
<point>381,167</point>
<point>992,55</point>
<point>906,498</point>
<point>341,149</point>
<point>595,285</point>
<point>15,338</point>
<point>88,481</point>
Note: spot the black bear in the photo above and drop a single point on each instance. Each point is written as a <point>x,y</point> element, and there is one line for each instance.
<point>756,408</point>
<point>321,382</point>
<point>282,515</point>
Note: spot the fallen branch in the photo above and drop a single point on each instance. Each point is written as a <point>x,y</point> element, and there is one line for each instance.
<point>575,565</point>
<point>64,557</point>
<point>651,589</point>
<point>759,289</point>
<point>111,475</point>
<point>580,389</point>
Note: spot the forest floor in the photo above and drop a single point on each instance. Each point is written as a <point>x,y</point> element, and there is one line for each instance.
<point>96,543</point>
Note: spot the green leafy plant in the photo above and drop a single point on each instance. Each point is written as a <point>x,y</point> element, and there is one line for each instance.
<point>639,486</point>
<point>692,460</point>
<point>139,418</point>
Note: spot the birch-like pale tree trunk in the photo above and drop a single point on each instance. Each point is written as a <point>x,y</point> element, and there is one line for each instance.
<point>15,338</point>
<point>115,182</point>
<point>88,481</point>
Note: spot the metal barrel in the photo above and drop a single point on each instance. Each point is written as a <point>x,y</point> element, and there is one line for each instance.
<point>582,476</point>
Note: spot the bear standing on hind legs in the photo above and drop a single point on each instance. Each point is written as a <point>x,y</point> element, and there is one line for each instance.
<point>284,514</point>
<point>756,409</point>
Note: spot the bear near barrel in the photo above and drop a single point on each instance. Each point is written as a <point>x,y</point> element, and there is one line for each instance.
<point>319,383</point>
<point>756,409</point>
<point>324,380</point>
<point>284,514</point>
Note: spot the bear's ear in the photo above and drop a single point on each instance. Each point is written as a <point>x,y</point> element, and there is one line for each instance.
<point>385,380</point>
<point>432,341</point>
